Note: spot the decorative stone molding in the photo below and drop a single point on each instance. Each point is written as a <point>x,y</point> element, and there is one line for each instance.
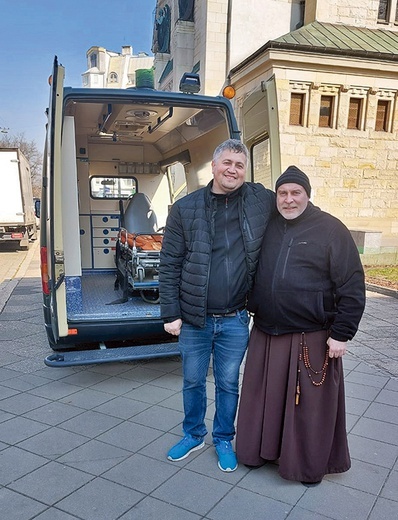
<point>299,87</point>
<point>386,94</point>
<point>359,91</point>
<point>330,89</point>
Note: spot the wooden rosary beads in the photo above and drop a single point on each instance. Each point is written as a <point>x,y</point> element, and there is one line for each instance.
<point>304,356</point>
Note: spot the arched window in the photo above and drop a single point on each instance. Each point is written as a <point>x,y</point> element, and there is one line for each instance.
<point>113,77</point>
<point>93,60</point>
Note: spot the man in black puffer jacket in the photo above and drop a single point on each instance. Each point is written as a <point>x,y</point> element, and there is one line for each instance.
<point>207,264</point>
<point>308,299</point>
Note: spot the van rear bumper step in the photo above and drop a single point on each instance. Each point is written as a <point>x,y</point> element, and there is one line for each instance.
<point>111,355</point>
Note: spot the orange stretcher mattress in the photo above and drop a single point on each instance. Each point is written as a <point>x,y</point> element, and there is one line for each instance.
<point>141,241</point>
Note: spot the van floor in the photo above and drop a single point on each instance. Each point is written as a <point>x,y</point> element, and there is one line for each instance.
<point>98,297</point>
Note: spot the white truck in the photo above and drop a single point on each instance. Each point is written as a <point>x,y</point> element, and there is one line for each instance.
<point>17,211</point>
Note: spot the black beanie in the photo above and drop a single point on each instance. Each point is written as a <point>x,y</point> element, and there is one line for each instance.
<point>296,176</point>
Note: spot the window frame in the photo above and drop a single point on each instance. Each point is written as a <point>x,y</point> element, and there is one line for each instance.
<point>93,60</point>
<point>265,179</point>
<point>298,112</point>
<point>386,18</point>
<point>108,180</point>
<point>333,92</point>
<point>384,120</point>
<point>390,98</point>
<point>326,120</point>
<point>361,94</point>
<point>113,77</point>
<point>302,89</point>
<point>359,113</point>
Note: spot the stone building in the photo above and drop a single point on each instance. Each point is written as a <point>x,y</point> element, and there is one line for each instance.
<point>108,69</point>
<point>212,36</point>
<point>316,85</point>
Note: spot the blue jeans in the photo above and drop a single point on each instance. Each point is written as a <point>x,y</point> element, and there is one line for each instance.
<point>226,338</point>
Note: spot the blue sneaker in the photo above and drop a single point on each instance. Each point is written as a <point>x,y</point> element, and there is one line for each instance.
<point>184,448</point>
<point>226,456</point>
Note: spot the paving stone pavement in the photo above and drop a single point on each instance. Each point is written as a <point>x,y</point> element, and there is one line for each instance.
<point>90,442</point>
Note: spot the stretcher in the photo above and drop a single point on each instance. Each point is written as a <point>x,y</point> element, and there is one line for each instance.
<point>138,252</point>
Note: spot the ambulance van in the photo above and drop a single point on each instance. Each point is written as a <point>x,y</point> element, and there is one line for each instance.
<point>115,160</point>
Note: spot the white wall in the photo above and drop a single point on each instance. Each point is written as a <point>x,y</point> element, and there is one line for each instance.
<point>255,22</point>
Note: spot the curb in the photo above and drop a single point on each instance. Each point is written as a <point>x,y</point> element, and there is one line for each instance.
<point>381,290</point>
<point>7,288</point>
<point>28,258</point>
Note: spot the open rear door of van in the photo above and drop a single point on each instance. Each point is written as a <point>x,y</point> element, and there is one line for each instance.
<point>55,254</point>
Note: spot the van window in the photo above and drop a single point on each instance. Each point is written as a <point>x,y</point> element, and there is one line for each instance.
<point>110,187</point>
<point>261,162</point>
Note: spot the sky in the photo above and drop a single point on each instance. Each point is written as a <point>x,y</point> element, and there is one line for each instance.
<point>32,32</point>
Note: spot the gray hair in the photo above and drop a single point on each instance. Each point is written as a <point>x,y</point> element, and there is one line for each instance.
<point>232,145</point>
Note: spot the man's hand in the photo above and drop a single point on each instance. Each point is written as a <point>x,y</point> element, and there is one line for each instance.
<point>174,327</point>
<point>336,348</point>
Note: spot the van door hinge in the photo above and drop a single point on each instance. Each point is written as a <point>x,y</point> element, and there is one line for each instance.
<point>59,257</point>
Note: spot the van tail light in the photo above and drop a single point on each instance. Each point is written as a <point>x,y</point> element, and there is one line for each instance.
<point>44,270</point>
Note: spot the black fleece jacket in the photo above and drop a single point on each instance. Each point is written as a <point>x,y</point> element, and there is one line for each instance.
<point>309,277</point>
<point>186,253</point>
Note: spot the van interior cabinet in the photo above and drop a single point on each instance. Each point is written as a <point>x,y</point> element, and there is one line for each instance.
<point>105,229</point>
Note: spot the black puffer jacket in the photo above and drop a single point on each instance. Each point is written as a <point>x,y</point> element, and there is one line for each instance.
<point>186,251</point>
<point>309,277</point>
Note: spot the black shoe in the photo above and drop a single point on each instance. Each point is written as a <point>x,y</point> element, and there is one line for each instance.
<point>254,467</point>
<point>311,484</point>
